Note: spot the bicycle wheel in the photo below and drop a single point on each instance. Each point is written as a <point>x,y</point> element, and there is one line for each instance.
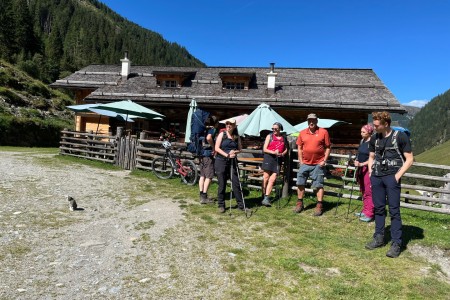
<point>162,167</point>
<point>191,169</point>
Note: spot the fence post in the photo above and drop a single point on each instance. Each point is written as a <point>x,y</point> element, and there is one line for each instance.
<point>117,145</point>
<point>88,144</point>
<point>63,139</point>
<point>287,172</point>
<point>444,195</point>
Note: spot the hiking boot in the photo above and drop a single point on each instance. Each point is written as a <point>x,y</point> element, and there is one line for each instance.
<point>221,210</point>
<point>360,214</point>
<point>378,241</point>
<point>266,201</point>
<point>394,251</point>
<point>205,200</point>
<point>246,210</point>
<point>319,208</point>
<point>299,207</point>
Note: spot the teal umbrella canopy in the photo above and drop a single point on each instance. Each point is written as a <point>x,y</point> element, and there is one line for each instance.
<point>129,107</point>
<point>101,112</point>
<point>192,109</point>
<point>262,118</point>
<point>324,123</point>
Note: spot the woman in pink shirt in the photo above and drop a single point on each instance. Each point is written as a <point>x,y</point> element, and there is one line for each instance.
<point>275,148</point>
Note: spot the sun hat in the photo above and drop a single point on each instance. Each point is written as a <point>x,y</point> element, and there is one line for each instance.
<point>231,121</point>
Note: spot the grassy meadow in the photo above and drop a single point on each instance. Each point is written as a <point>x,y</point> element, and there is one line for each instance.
<point>439,155</point>
<point>276,254</point>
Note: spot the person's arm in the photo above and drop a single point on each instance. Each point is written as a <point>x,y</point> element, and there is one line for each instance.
<point>217,148</point>
<point>409,159</point>
<point>325,158</point>
<point>286,147</point>
<point>300,154</point>
<point>210,140</point>
<point>266,144</point>
<point>327,144</point>
<point>370,162</point>
<point>233,153</point>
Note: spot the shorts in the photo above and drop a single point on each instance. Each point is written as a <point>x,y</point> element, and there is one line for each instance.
<point>315,172</point>
<point>271,163</point>
<point>206,167</point>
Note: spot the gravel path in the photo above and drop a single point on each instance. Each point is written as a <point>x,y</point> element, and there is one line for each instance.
<point>125,243</point>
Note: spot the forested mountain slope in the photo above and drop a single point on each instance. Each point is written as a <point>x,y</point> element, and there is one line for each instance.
<point>431,125</point>
<point>48,38</point>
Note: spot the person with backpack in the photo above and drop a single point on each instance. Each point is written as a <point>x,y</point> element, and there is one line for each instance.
<point>362,174</point>
<point>314,147</point>
<point>228,145</point>
<point>275,148</point>
<point>390,157</point>
<point>207,160</point>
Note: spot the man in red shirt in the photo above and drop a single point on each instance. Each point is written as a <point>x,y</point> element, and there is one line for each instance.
<point>313,150</point>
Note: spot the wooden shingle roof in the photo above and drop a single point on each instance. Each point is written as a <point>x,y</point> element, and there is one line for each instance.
<point>349,89</point>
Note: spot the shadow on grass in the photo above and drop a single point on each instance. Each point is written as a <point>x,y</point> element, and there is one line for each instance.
<point>409,233</point>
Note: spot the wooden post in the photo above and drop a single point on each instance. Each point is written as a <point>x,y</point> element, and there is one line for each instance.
<point>63,139</point>
<point>444,195</point>
<point>287,171</point>
<point>88,144</point>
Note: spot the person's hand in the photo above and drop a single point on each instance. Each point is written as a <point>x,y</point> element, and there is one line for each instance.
<point>397,177</point>
<point>322,163</point>
<point>277,153</point>
<point>357,163</point>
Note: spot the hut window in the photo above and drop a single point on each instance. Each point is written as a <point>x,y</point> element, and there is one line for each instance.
<point>167,83</point>
<point>170,84</point>
<point>234,85</point>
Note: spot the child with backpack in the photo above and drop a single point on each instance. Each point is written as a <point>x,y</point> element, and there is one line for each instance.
<point>207,160</point>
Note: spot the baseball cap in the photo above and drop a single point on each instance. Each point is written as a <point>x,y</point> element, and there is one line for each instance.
<point>312,116</point>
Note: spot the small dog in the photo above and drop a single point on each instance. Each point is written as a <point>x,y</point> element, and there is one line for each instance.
<point>72,203</point>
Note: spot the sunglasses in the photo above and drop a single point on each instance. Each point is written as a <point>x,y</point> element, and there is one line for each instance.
<point>274,129</point>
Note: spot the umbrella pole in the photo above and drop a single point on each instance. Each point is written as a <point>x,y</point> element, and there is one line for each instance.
<point>98,124</point>
<point>126,123</point>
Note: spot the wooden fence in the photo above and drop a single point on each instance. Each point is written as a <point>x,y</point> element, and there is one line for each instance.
<point>132,153</point>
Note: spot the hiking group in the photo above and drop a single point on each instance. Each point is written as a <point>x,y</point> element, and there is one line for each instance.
<point>382,159</point>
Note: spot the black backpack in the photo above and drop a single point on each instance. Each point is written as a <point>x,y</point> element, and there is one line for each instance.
<point>198,132</point>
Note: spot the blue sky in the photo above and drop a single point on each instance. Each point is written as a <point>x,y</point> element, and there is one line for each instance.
<point>406,43</point>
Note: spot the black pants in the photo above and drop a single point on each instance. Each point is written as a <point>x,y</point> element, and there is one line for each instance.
<point>386,187</point>
<point>222,168</point>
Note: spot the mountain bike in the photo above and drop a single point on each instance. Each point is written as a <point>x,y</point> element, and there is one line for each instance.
<point>166,166</point>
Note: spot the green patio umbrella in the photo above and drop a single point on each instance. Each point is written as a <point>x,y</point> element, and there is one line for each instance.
<point>101,112</point>
<point>192,109</point>
<point>129,107</point>
<point>262,118</point>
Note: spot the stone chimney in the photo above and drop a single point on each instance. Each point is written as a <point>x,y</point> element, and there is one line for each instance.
<point>271,78</point>
<point>126,65</point>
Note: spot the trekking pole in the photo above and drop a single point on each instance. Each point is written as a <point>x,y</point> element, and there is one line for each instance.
<point>240,185</point>
<point>351,191</point>
<point>231,181</point>
<point>278,191</point>
<point>343,184</point>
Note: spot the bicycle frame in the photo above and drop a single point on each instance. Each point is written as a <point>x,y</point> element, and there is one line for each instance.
<point>176,163</point>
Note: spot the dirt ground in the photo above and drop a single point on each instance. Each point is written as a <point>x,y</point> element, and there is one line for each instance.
<point>126,242</point>
<point>114,247</point>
